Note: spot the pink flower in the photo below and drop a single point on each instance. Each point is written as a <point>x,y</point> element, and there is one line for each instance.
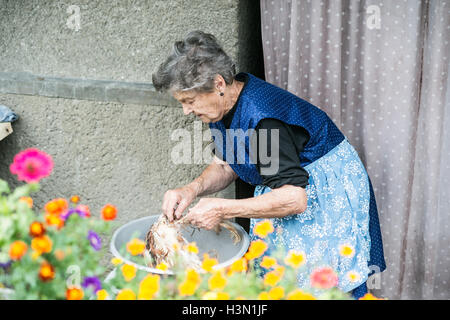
<point>324,278</point>
<point>31,165</point>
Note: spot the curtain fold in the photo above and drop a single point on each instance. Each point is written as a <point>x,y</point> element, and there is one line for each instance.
<point>380,71</point>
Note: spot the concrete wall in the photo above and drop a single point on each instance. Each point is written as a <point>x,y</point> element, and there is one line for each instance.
<point>105,150</point>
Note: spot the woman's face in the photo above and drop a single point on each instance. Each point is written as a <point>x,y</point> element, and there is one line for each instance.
<point>209,107</point>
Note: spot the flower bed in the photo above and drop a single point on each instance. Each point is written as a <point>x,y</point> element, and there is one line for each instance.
<point>56,254</point>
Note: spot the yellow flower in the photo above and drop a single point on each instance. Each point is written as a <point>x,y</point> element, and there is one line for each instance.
<point>136,246</point>
<point>268,262</point>
<point>239,265</point>
<point>369,296</point>
<point>193,276</point>
<point>272,278</point>
<point>102,294</point>
<point>353,276</point>
<point>116,261</point>
<point>217,281</point>
<point>148,287</point>
<point>223,296</point>
<point>276,293</point>
<point>162,266</point>
<point>263,228</point>
<point>191,247</point>
<point>263,296</point>
<point>210,295</point>
<point>346,250</point>
<point>187,288</point>
<point>208,263</point>
<point>126,294</point>
<point>42,244</point>
<point>128,272</point>
<point>257,248</point>
<point>298,294</point>
<point>295,258</point>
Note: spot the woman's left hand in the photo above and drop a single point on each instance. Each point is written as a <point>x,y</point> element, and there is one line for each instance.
<point>206,214</point>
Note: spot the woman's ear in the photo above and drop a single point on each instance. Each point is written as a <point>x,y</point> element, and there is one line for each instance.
<point>219,83</point>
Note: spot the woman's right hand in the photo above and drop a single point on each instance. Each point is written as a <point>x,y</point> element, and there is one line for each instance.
<point>177,200</point>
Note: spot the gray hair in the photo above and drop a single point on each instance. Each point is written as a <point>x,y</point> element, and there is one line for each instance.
<point>194,64</point>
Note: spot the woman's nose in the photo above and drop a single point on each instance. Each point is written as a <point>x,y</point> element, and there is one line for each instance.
<point>186,109</point>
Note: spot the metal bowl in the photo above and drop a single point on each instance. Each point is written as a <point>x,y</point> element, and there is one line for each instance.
<point>220,245</point>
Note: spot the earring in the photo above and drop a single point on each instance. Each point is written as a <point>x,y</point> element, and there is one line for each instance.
<point>221,94</point>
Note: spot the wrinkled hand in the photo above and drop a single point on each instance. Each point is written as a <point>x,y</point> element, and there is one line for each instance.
<point>176,201</point>
<point>206,214</point>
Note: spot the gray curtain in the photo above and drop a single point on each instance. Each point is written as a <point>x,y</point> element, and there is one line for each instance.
<point>380,69</point>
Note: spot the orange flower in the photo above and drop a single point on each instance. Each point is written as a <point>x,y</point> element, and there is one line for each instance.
<point>27,200</point>
<point>217,281</point>
<point>42,244</point>
<point>56,206</point>
<point>136,246</point>
<point>46,272</point>
<point>54,220</point>
<point>59,254</point>
<point>75,199</point>
<point>295,258</point>
<point>298,294</point>
<point>268,262</point>
<point>37,229</point>
<point>17,250</point>
<point>126,294</point>
<point>263,228</point>
<point>208,263</point>
<point>369,296</point>
<point>256,249</point>
<point>128,271</point>
<point>109,212</point>
<point>74,293</point>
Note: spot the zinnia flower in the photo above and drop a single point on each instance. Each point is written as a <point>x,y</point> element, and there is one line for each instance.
<point>71,211</point>
<point>109,212</point>
<point>56,206</point>
<point>85,209</point>
<point>42,244</point>
<point>136,246</point>
<point>95,240</point>
<point>37,229</point>
<point>46,272</point>
<point>92,282</point>
<point>31,165</point>
<point>17,250</point>
<point>263,228</point>
<point>74,293</point>
<point>75,199</point>
<point>324,278</point>
<point>54,220</point>
<point>295,258</point>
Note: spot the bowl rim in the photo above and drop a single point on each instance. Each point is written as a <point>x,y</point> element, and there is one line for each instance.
<point>245,239</point>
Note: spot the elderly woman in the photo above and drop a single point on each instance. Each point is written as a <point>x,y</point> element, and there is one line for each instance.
<point>315,189</point>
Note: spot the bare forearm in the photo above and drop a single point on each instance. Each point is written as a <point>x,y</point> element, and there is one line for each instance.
<point>217,176</point>
<point>278,203</point>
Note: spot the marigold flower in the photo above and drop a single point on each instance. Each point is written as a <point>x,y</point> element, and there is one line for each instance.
<point>37,229</point>
<point>54,220</point>
<point>369,296</point>
<point>31,165</point>
<point>256,249</point>
<point>346,250</point>
<point>42,244</point>
<point>75,199</point>
<point>263,296</point>
<point>148,287</point>
<point>128,271</point>
<point>46,272</point>
<point>56,206</point>
<point>136,246</point>
<point>116,261</point>
<point>272,278</point>
<point>74,293</point>
<point>263,228</point>
<point>190,284</point>
<point>162,266</point>
<point>295,258</point>
<point>209,295</point>
<point>298,294</point>
<point>324,278</point>
<point>27,200</point>
<point>17,250</point>
<point>191,247</point>
<point>193,276</point>
<point>59,254</point>
<point>102,294</point>
<point>239,265</point>
<point>276,293</point>
<point>268,262</point>
<point>109,212</point>
<point>217,281</point>
<point>126,294</point>
<point>222,296</point>
<point>208,263</point>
